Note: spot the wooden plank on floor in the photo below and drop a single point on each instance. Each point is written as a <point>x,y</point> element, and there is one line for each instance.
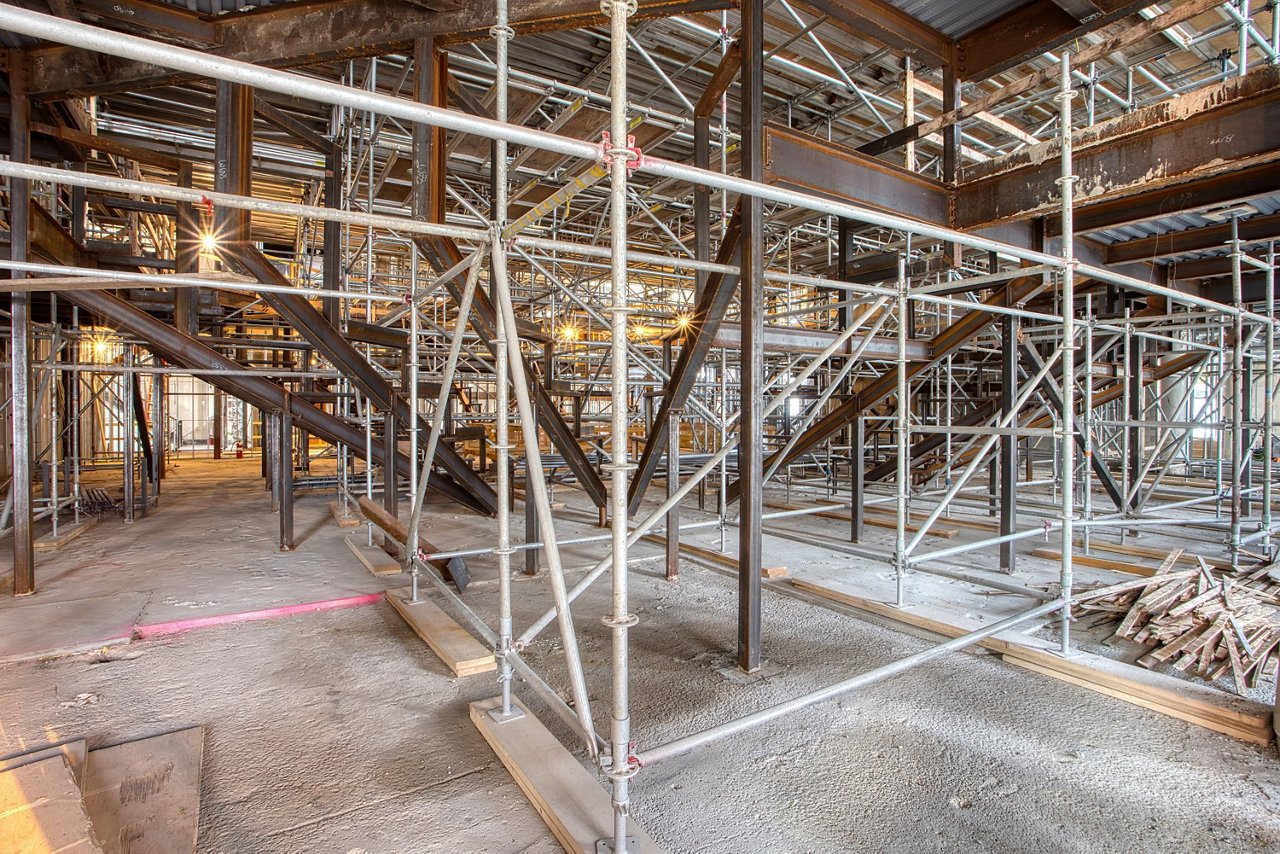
<point>451,643</point>
<point>892,522</point>
<point>1098,562</point>
<point>74,752</point>
<point>566,795</point>
<point>42,810</point>
<point>67,533</point>
<point>350,520</point>
<point>727,561</point>
<point>1193,702</point>
<point>373,558</point>
<point>144,796</point>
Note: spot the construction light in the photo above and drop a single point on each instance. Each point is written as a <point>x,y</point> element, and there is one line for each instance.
<point>208,242</point>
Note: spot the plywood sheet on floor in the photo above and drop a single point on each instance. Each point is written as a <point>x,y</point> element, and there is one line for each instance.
<point>144,796</point>
<point>42,810</point>
<point>73,751</point>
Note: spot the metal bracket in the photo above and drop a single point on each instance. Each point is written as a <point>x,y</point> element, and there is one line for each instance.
<point>634,156</point>
<point>495,714</point>
<point>605,846</point>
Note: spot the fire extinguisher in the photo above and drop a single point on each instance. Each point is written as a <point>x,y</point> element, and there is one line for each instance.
<point>239,451</point>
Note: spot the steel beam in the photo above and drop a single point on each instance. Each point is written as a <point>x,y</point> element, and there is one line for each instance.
<point>188,352</point>
<point>805,162</point>
<point>883,386</point>
<point>1174,243</point>
<point>883,23</point>
<point>331,344</point>
<point>290,35</point>
<point>442,253</point>
<point>1028,31</point>
<point>705,321</point>
<point>1206,134</point>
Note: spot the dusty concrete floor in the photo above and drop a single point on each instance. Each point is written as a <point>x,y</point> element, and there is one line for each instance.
<point>340,731</point>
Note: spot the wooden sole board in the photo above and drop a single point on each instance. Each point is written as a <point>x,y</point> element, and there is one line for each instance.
<point>567,796</point>
<point>373,558</point>
<point>42,810</point>
<point>350,520</point>
<point>66,534</point>
<point>144,796</point>
<point>452,644</point>
<point>1199,704</point>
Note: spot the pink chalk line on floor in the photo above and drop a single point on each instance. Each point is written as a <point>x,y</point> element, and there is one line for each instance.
<point>179,626</point>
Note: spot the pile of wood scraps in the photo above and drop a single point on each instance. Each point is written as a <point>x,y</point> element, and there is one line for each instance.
<point>1199,621</point>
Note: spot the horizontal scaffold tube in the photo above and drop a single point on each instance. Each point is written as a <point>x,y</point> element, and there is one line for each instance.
<point>88,37</point>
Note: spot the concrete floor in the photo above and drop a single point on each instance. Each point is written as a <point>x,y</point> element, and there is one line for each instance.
<point>340,731</point>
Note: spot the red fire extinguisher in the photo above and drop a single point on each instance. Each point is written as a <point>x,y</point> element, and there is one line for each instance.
<point>239,451</point>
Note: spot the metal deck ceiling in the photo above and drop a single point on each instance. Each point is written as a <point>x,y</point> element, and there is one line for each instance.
<point>957,18</point>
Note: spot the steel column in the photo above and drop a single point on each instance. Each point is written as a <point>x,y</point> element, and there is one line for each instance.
<point>1008,465</point>
<point>24,561</point>
<point>751,429</point>
<point>284,423</point>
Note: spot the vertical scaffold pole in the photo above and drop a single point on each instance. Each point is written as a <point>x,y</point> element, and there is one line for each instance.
<point>621,766</point>
<point>1066,442</point>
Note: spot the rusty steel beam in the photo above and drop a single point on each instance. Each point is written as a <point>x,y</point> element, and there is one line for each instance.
<point>1029,31</point>
<point>188,352</point>
<point>442,253</point>
<point>1037,79</point>
<point>883,386</point>
<point>329,342</point>
<point>887,25</point>
<point>1206,134</point>
<point>294,34</point>
<point>804,162</point>
<point>721,79</point>
<point>795,339</point>
<point>704,322</point>
<point>931,442</point>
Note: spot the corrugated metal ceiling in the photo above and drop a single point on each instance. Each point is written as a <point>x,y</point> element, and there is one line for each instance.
<point>956,18</point>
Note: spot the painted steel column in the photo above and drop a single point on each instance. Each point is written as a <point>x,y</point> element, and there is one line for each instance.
<point>1133,413</point>
<point>285,422</point>
<point>24,560</point>
<point>857,485</point>
<point>1008,466</point>
<point>390,473</point>
<point>331,270</point>
<point>233,153</point>
<point>701,203</point>
<point>186,305</point>
<point>128,469</point>
<point>673,486</point>
<point>751,435</point>
<point>531,532</point>
<point>219,405</point>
